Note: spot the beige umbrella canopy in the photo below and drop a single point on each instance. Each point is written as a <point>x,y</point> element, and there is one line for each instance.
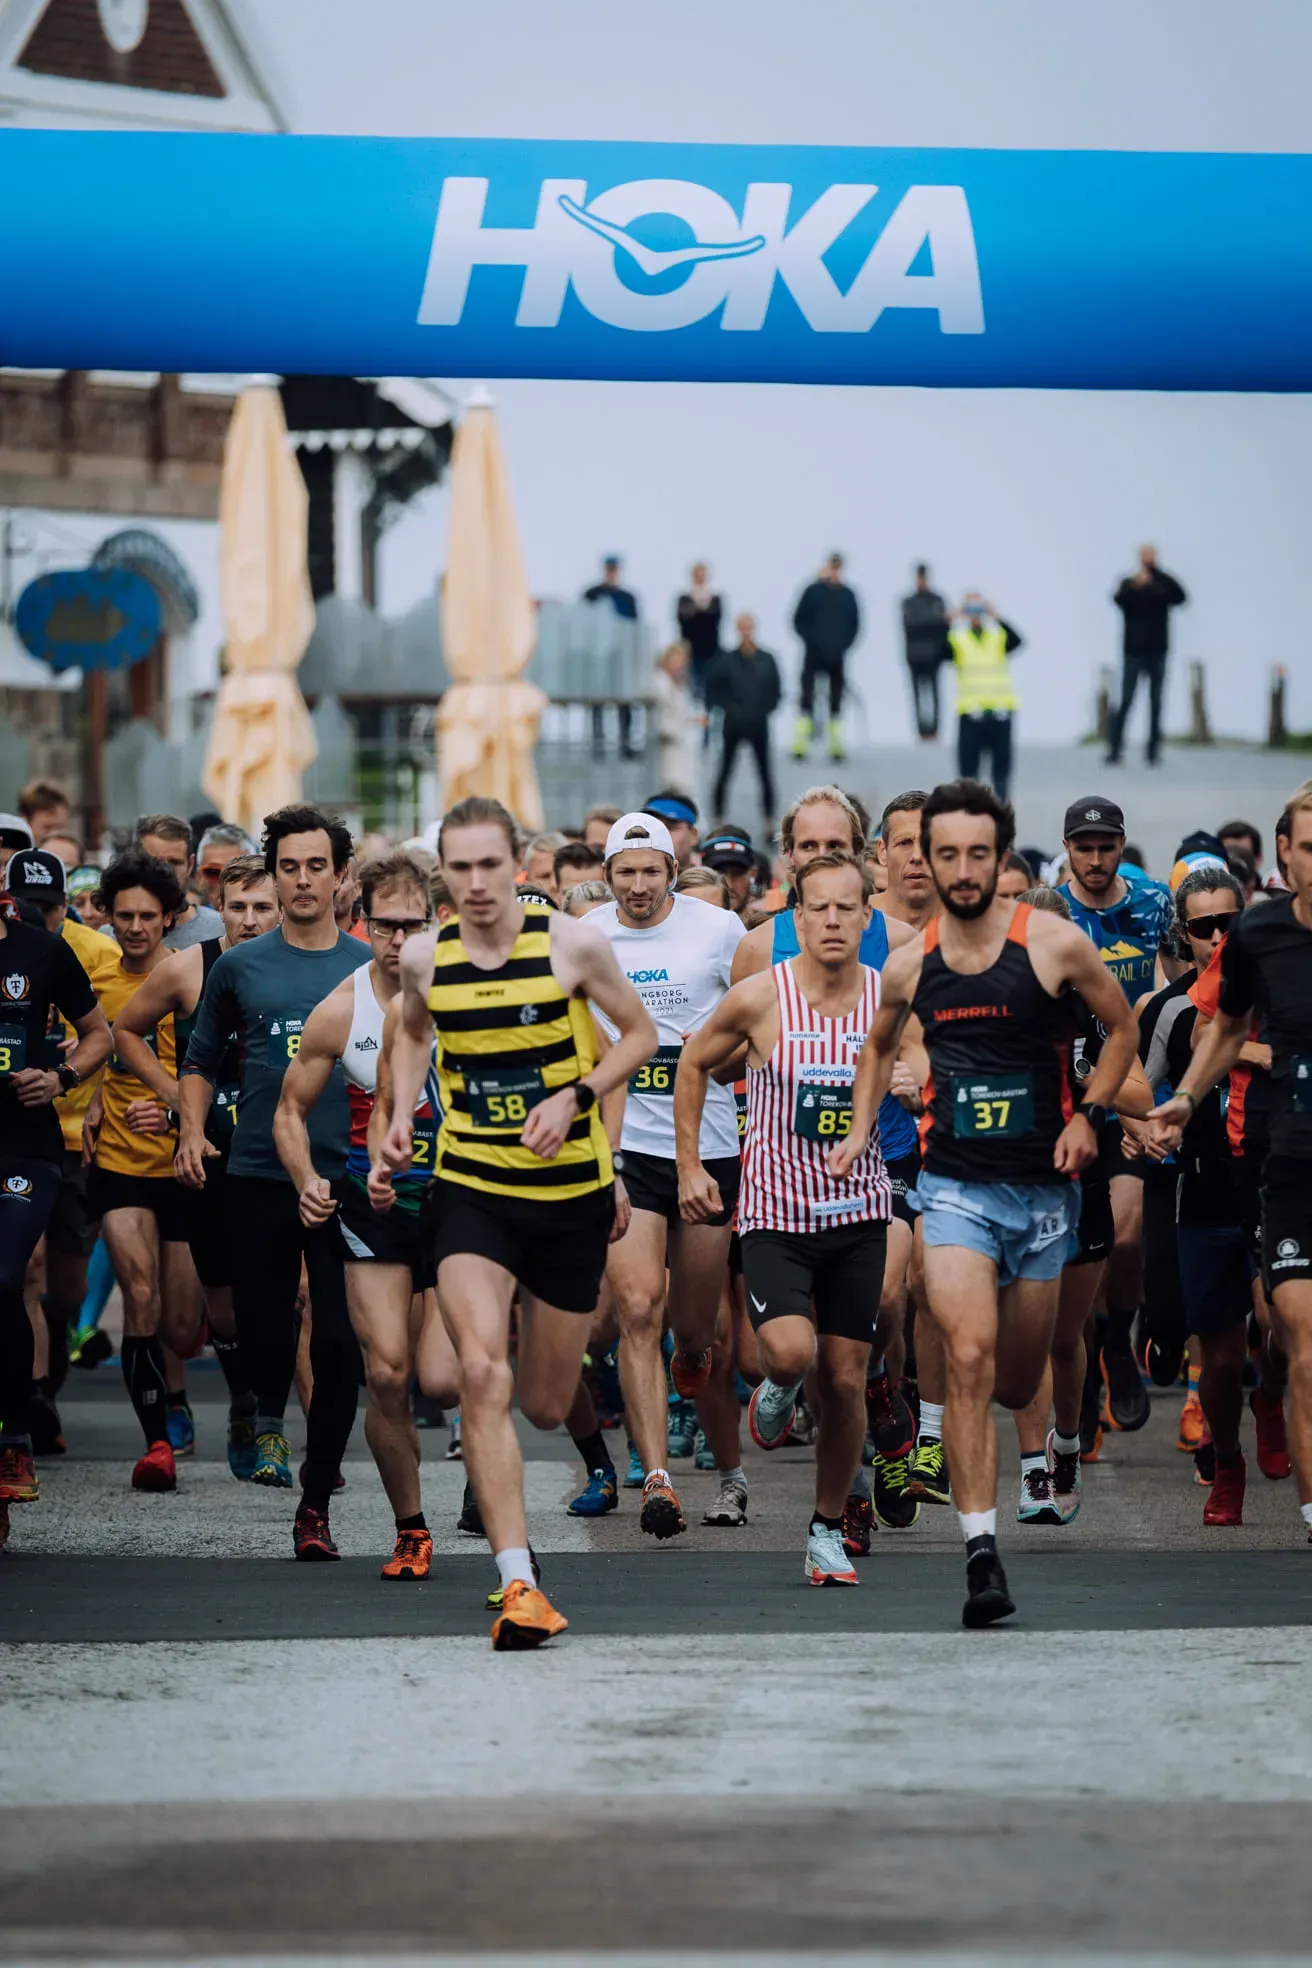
<point>262,739</point>
<point>487,723</point>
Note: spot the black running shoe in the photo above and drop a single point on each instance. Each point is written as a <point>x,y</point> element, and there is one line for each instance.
<point>1162,1362</point>
<point>470,1520</point>
<point>1127,1405</point>
<point>895,1507</point>
<point>889,1420</point>
<point>987,1597</point>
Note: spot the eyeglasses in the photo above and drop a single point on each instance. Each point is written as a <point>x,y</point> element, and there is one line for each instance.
<point>1204,927</point>
<point>389,926</point>
<point>212,874</point>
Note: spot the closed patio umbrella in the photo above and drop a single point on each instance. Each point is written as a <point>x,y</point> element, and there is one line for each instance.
<point>487,722</point>
<point>261,740</point>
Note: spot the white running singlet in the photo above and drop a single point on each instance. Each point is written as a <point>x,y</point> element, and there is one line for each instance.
<point>680,970</point>
<point>798,1108</point>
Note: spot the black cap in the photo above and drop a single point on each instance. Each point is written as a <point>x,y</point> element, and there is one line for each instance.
<point>727,850</point>
<point>36,876</point>
<point>1093,815</point>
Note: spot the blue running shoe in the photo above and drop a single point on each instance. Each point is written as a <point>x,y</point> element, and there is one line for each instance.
<point>241,1445</point>
<point>703,1456</point>
<point>600,1495</point>
<point>182,1431</point>
<point>683,1430</point>
<point>635,1475</point>
<point>273,1461</point>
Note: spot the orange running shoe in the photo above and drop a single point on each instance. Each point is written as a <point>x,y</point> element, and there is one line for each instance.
<point>690,1372</point>
<point>1192,1425</point>
<point>660,1516</point>
<point>412,1558</point>
<point>1225,1500</point>
<point>18,1477</point>
<point>1272,1440</point>
<point>527,1619</point>
<point>156,1470</point>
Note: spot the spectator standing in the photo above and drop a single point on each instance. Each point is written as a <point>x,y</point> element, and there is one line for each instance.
<point>744,685</point>
<point>610,590</point>
<point>679,722</point>
<point>699,613</point>
<point>925,633</point>
<point>1145,599</point>
<point>828,620</point>
<point>981,643</point>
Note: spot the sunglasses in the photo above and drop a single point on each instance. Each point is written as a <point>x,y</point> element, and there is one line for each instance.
<point>398,925</point>
<point>1204,927</point>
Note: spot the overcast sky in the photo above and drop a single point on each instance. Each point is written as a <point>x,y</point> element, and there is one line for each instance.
<point>1038,498</point>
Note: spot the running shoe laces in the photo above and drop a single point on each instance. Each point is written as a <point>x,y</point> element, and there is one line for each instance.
<point>825,1553</point>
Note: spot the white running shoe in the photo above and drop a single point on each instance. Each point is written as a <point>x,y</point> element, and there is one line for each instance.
<point>826,1561</point>
<point>1037,1504</point>
<point>730,1506</point>
<point>1067,1482</point>
<point>770,1413</point>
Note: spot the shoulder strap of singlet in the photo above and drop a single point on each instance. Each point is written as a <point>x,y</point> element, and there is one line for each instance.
<point>210,952</point>
<point>931,935</point>
<point>1018,930</point>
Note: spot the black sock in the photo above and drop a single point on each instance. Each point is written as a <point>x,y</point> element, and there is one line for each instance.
<point>143,1376</point>
<point>1120,1325</point>
<point>594,1452</point>
<point>830,1523</point>
<point>178,1400</point>
<point>415,1523</point>
<point>57,1329</point>
<point>227,1351</point>
<point>976,1545</point>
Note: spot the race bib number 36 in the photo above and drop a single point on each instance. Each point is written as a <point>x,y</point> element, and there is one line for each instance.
<point>13,1048</point>
<point>823,1113</point>
<point>657,1076</point>
<point>284,1041</point>
<point>995,1105</point>
<point>502,1098</point>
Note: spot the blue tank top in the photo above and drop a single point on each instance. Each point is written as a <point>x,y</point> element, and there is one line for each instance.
<point>897,1130</point>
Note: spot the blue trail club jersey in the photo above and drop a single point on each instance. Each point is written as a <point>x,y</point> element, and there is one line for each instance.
<point>1130,933</point>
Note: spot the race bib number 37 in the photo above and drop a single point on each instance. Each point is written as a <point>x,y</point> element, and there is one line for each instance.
<point>996,1105</point>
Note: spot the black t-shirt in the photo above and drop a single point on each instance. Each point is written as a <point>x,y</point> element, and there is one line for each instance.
<point>1266,966</point>
<point>37,971</point>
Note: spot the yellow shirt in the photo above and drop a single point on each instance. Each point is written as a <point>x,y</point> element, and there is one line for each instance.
<point>120,1148</point>
<point>98,956</point>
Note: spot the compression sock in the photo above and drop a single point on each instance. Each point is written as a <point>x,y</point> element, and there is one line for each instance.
<point>415,1523</point>
<point>931,1422</point>
<point>227,1351</point>
<point>595,1455</point>
<point>143,1376</point>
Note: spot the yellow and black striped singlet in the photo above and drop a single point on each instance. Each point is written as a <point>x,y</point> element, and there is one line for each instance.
<point>497,1030</point>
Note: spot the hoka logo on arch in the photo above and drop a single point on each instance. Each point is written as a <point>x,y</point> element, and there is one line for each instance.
<point>656,254</point>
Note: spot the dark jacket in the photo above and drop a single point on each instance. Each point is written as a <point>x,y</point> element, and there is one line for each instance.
<point>925,627</point>
<point>746,688</point>
<point>1147,611</point>
<point>620,599</point>
<point>700,628</point>
<point>828,620</point>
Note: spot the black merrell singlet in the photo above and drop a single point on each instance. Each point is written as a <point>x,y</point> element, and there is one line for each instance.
<point>999,1049</point>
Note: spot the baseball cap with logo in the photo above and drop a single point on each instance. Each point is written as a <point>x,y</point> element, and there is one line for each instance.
<point>14,831</point>
<point>727,849</point>
<point>639,830</point>
<point>1093,815</point>
<point>35,876</point>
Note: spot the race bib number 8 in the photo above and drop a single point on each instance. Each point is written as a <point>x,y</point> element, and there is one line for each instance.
<point>823,1113</point>
<point>994,1106</point>
<point>284,1041</point>
<point>503,1098</point>
<point>657,1076</point>
<point>13,1048</point>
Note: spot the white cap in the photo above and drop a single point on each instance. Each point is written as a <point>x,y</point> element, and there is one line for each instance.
<point>639,830</point>
<point>14,831</point>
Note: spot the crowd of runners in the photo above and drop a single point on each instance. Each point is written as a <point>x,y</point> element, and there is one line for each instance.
<point>614,1128</point>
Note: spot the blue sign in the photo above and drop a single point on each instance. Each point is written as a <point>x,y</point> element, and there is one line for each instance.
<point>736,263</point>
<point>89,618</point>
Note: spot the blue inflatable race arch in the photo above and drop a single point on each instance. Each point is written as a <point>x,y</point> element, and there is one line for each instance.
<point>730,263</point>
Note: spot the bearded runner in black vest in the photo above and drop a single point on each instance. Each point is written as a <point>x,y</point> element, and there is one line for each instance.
<point>1002,1144</point>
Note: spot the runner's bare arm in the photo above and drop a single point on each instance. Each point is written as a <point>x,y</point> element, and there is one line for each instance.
<point>874,1072</point>
<point>174,986</point>
<point>412,1049</point>
<point>327,1030</point>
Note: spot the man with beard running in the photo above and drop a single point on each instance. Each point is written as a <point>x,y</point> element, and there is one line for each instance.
<point>813,1245</point>
<point>1002,1140</point>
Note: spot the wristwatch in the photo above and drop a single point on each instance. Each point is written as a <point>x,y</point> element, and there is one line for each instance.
<point>1095,1114</point>
<point>585,1095</point>
<point>617,1161</point>
<point>68,1078</point>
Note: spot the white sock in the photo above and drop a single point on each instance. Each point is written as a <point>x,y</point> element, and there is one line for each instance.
<point>876,1368</point>
<point>931,1422</point>
<point>661,1475</point>
<point>515,1563</point>
<point>978,1523</point>
<point>1307,1514</point>
<point>734,1475</point>
<point>1065,1445</point>
<point>1028,1462</point>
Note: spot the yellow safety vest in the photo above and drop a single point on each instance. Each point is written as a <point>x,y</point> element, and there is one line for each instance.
<point>983,672</point>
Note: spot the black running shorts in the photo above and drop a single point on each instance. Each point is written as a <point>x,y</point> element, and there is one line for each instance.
<point>371,1236</point>
<point>557,1251</point>
<point>72,1229</point>
<point>835,1275</point>
<point>211,1246</point>
<point>1286,1221</point>
<point>1097,1224</point>
<point>172,1206</point>
<point>653,1185</point>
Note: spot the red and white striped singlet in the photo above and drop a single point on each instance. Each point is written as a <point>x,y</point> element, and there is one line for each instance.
<point>785,1183</point>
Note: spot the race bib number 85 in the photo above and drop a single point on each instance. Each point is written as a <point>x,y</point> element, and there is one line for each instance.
<point>823,1113</point>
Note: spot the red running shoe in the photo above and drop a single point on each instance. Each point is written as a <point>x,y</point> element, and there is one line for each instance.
<point>690,1372</point>
<point>18,1477</point>
<point>1272,1442</point>
<point>156,1470</point>
<point>1225,1502</point>
<point>889,1420</point>
<point>858,1524</point>
<point>311,1538</point>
